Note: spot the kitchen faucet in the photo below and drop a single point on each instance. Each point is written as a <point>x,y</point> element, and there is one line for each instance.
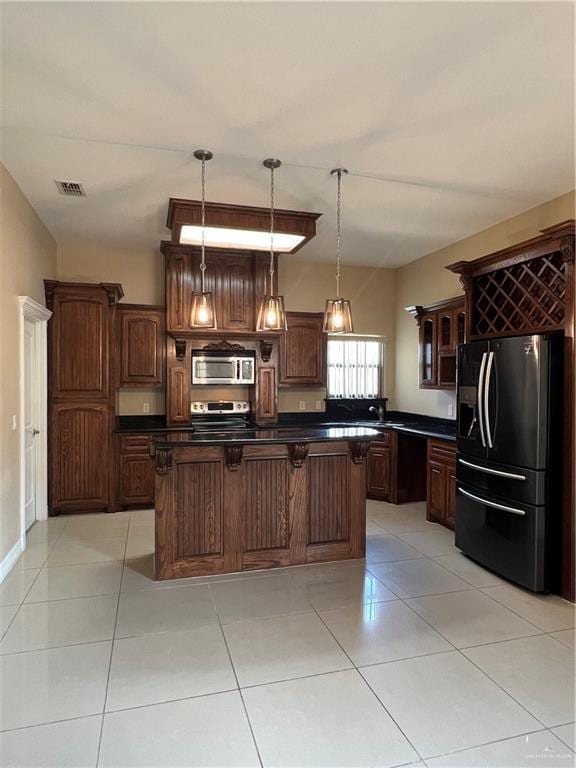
<point>380,411</point>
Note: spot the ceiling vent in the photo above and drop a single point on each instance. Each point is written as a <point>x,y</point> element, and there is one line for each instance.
<point>71,188</point>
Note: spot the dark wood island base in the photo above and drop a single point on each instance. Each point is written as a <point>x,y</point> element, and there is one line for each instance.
<point>236,507</point>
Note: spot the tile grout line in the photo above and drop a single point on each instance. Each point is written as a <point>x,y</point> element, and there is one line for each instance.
<point>368,685</point>
<point>40,569</point>
<point>256,747</point>
<point>112,650</point>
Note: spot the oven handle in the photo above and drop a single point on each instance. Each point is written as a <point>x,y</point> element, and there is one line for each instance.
<point>493,504</point>
<point>492,471</point>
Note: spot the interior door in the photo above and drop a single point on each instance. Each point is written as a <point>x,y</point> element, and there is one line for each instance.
<point>516,392</point>
<point>29,427</point>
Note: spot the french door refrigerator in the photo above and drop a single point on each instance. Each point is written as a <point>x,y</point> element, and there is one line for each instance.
<point>509,440</point>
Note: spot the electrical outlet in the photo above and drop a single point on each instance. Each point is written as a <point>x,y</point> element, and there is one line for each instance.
<point>302,405</point>
<point>451,410</point>
<point>145,407</point>
<point>318,405</point>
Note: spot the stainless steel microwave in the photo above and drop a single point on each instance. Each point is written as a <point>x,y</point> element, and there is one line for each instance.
<point>222,369</point>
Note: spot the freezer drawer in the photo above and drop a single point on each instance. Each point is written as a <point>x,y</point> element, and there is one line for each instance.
<point>509,482</point>
<point>506,536</point>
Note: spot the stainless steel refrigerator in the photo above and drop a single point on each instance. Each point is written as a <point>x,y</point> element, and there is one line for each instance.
<point>509,463</point>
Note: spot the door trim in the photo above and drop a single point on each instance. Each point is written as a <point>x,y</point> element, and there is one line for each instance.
<point>37,314</point>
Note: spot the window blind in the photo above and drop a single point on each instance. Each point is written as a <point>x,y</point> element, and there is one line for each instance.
<point>354,367</point>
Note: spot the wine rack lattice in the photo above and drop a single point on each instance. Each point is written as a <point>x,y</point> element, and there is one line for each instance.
<point>521,297</point>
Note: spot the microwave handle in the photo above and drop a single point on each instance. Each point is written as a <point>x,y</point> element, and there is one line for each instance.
<point>238,370</point>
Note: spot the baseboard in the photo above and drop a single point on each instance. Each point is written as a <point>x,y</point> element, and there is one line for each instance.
<point>8,562</point>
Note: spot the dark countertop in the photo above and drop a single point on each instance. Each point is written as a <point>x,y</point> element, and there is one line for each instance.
<point>408,423</point>
<point>281,435</point>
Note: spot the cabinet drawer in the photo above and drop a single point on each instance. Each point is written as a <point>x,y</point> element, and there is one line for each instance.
<point>385,439</point>
<point>134,443</point>
<point>442,450</point>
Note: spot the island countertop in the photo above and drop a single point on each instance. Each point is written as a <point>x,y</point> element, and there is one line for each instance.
<point>272,436</point>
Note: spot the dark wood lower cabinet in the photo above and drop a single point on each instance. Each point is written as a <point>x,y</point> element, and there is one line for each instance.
<point>135,472</point>
<point>236,508</point>
<point>396,468</point>
<point>441,492</point>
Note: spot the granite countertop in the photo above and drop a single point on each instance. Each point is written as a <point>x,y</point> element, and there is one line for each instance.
<point>408,423</point>
<point>281,435</point>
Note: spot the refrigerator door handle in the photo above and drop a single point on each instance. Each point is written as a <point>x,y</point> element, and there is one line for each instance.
<point>488,380</point>
<point>492,471</point>
<point>493,504</point>
<point>480,396</point>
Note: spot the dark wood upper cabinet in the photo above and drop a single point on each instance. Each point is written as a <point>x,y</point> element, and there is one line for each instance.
<point>441,329</point>
<point>80,343</point>
<point>236,279</point>
<point>142,345</point>
<point>303,350</point>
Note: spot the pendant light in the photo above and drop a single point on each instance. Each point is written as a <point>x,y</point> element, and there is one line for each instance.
<point>338,314</point>
<point>271,316</point>
<point>202,314</point>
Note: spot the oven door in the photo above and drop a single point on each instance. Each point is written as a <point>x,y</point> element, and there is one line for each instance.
<point>509,537</point>
<point>214,370</point>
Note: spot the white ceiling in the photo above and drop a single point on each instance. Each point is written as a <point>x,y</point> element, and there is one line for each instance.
<point>449,116</point>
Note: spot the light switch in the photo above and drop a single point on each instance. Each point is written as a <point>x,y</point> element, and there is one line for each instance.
<point>14,422</point>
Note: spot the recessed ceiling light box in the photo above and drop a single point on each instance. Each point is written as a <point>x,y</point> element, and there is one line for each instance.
<point>244,227</point>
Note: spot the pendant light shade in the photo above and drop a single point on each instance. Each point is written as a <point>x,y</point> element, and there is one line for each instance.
<point>271,314</point>
<point>338,316</point>
<point>338,313</point>
<point>202,314</point>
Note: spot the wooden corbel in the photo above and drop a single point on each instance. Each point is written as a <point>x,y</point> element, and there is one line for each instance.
<point>180,347</point>
<point>233,454</point>
<point>359,450</point>
<point>266,349</point>
<point>298,453</point>
<point>163,460</point>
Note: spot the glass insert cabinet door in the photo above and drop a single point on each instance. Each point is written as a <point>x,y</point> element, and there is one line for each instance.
<point>428,350</point>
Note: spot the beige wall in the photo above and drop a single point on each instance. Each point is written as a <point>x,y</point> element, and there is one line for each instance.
<point>306,286</point>
<point>426,281</point>
<point>27,256</point>
<point>141,273</point>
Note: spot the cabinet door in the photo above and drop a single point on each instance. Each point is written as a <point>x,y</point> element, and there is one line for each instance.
<point>136,480</point>
<point>79,344</point>
<point>266,394</point>
<point>451,498</point>
<point>235,293</point>
<point>80,456</point>
<point>303,350</point>
<point>446,331</point>
<point>379,471</point>
<point>428,349</point>
<point>142,347</point>
<point>436,492</point>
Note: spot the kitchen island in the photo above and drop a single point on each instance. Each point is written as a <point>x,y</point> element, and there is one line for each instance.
<point>258,498</point>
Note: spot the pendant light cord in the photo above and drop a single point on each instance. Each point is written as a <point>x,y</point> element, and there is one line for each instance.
<point>271,231</point>
<point>338,234</point>
<point>203,261</point>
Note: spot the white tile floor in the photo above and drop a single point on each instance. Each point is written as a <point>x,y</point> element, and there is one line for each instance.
<point>415,657</point>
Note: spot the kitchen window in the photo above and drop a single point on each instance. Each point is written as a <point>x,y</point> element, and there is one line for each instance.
<point>355,367</point>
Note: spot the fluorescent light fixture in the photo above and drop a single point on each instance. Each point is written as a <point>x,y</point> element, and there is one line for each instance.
<point>251,239</point>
